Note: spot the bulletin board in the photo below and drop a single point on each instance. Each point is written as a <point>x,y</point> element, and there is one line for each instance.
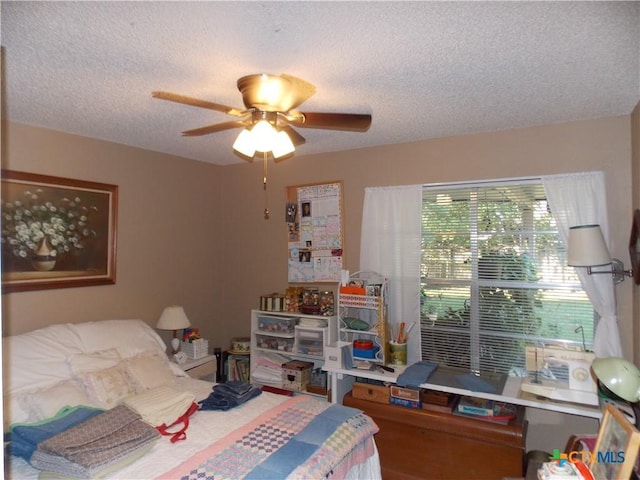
<point>315,232</point>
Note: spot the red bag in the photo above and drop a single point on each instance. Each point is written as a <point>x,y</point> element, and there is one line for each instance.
<point>184,420</point>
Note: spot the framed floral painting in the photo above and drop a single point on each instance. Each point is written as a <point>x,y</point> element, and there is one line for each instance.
<point>56,232</point>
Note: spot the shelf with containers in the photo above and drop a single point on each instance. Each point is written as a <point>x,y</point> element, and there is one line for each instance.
<point>362,312</point>
<point>281,337</point>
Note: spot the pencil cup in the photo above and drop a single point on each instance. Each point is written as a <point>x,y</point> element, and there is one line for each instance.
<point>398,353</point>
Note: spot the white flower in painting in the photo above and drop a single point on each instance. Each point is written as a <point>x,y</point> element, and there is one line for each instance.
<point>65,224</point>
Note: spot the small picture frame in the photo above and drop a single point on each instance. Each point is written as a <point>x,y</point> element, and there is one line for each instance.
<point>616,449</point>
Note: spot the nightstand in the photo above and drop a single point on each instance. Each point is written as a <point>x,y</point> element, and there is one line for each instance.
<point>203,368</point>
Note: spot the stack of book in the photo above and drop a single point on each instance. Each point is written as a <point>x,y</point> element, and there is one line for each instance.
<point>238,368</point>
<point>486,410</point>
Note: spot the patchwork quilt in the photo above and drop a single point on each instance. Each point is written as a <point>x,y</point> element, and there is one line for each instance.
<point>302,438</point>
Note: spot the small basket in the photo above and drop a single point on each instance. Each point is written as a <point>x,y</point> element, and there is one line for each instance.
<point>196,349</point>
<point>359,301</point>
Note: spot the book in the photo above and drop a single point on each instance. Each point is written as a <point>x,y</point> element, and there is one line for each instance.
<point>499,419</point>
<point>484,407</point>
<point>486,410</point>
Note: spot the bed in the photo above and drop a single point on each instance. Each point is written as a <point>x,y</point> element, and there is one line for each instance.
<point>102,365</point>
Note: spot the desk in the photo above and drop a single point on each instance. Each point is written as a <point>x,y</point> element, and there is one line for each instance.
<point>342,380</point>
<point>418,444</point>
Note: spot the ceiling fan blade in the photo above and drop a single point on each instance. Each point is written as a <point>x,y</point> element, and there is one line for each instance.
<point>301,92</point>
<point>295,137</point>
<point>218,127</point>
<point>195,102</point>
<point>353,122</point>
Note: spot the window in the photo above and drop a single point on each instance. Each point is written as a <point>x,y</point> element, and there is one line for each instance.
<point>494,277</point>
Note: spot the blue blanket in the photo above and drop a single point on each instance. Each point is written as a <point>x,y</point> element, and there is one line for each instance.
<point>25,438</point>
<point>416,374</point>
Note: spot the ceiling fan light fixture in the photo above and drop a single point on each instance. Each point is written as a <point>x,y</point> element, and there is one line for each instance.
<point>244,144</point>
<point>264,136</point>
<point>283,145</point>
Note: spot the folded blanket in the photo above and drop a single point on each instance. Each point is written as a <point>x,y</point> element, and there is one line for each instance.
<point>161,405</point>
<point>416,374</point>
<point>93,446</point>
<point>229,395</point>
<point>24,439</point>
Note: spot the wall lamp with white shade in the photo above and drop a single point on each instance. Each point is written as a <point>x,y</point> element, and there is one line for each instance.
<point>587,248</point>
<point>173,318</point>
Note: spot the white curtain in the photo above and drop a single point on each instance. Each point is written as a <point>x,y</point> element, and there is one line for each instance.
<point>390,244</point>
<point>580,199</point>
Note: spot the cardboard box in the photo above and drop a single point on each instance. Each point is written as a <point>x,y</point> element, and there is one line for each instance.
<point>352,290</point>
<point>316,389</point>
<point>438,401</point>
<point>373,393</point>
<point>406,393</point>
<point>296,374</point>
<point>405,403</point>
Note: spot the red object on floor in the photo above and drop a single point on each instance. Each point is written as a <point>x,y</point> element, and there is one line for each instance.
<point>279,391</point>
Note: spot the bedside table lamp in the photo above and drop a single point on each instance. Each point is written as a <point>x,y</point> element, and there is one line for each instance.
<point>620,378</point>
<point>173,318</point>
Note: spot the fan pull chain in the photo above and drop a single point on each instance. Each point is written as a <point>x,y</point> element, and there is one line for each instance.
<point>264,185</point>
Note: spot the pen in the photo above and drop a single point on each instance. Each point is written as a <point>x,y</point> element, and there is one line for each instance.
<point>400,336</point>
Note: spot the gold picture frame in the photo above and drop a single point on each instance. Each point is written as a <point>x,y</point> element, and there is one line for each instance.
<point>616,449</point>
<point>56,232</point>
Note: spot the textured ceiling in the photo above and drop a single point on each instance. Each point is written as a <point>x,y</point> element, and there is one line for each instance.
<point>421,69</point>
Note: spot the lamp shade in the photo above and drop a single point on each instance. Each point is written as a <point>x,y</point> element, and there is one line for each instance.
<point>244,144</point>
<point>263,137</point>
<point>619,376</point>
<point>173,318</point>
<point>283,145</point>
<point>587,247</point>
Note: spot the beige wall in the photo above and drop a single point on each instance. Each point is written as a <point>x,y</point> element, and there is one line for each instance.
<point>257,248</point>
<point>194,234</point>
<point>168,231</point>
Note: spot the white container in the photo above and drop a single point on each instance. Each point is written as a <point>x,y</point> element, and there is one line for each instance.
<point>338,355</point>
<point>195,349</point>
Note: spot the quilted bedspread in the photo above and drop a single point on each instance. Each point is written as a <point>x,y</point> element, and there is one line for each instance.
<point>302,438</point>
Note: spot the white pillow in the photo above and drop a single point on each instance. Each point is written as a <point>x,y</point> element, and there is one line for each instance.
<point>149,371</point>
<point>39,358</point>
<point>16,410</point>
<point>107,387</point>
<point>92,362</point>
<point>46,403</point>
<point>130,337</point>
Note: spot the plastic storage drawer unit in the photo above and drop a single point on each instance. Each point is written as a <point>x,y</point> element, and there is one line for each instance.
<point>277,324</point>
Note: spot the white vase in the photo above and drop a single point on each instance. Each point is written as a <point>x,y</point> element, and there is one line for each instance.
<point>44,259</point>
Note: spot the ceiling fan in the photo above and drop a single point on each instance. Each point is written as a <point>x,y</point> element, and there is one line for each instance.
<point>271,100</point>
